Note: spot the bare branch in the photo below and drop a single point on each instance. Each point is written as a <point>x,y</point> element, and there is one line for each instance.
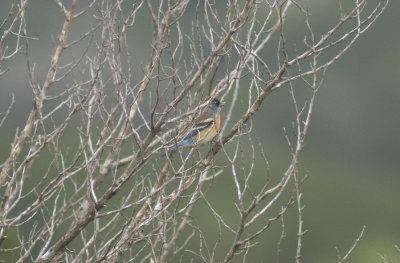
<point>98,171</point>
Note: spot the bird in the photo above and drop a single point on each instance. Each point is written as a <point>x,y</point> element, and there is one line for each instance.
<point>206,126</point>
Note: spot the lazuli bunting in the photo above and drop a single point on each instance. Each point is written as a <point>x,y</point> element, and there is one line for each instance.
<point>205,128</point>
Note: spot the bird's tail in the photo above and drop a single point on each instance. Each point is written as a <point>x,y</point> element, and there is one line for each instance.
<point>185,142</point>
<point>172,148</point>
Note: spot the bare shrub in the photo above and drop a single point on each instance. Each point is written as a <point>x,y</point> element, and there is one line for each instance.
<point>90,177</point>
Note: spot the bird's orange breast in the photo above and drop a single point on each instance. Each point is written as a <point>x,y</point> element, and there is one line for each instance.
<point>217,121</point>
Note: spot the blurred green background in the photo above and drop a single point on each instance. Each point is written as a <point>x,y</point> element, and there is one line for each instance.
<point>352,151</point>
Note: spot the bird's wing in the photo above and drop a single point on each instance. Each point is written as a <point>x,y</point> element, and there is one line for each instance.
<point>200,126</point>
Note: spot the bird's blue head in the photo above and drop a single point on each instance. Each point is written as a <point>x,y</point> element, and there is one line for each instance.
<point>215,105</point>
